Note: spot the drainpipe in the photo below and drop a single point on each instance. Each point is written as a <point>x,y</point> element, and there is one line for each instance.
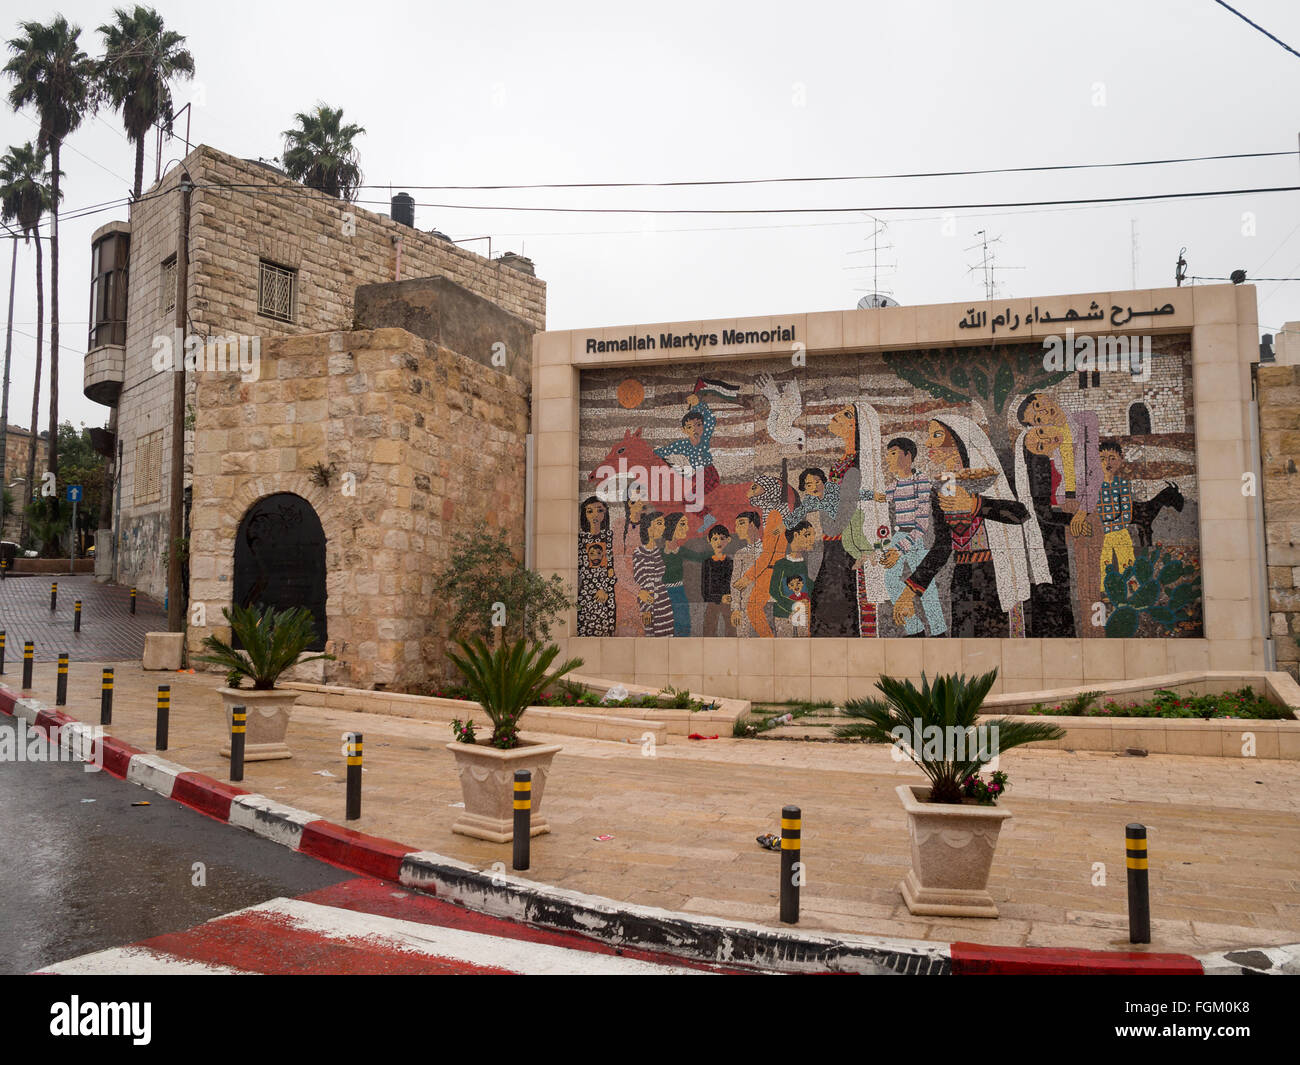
<point>1261,545</point>
<point>529,477</point>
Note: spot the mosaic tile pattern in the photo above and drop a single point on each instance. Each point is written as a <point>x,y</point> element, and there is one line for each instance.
<point>948,492</point>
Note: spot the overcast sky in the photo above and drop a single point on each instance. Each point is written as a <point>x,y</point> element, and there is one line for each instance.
<point>508,92</point>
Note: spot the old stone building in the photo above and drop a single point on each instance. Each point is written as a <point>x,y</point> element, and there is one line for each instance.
<point>268,258</point>
<point>18,446</point>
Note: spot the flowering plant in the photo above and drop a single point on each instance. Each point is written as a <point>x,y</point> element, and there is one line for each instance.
<point>462,730</point>
<point>985,792</point>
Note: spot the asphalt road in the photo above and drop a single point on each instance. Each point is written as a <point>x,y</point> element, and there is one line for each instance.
<point>79,876</point>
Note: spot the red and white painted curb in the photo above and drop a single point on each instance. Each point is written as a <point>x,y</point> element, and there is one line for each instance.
<point>351,929</point>
<point>622,925</point>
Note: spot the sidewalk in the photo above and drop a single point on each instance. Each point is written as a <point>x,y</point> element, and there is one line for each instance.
<point>1225,833</point>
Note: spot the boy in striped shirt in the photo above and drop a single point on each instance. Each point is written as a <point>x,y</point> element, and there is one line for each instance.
<point>909,501</point>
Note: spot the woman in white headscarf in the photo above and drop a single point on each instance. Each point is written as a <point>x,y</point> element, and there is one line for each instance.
<point>978,522</point>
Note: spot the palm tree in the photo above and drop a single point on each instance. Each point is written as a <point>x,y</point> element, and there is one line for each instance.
<point>320,152</point>
<point>25,195</point>
<point>950,706</point>
<point>52,73</point>
<point>140,58</point>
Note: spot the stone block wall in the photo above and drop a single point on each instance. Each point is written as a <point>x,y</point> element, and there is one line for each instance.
<point>1279,443</point>
<point>425,444</point>
<point>242,212</point>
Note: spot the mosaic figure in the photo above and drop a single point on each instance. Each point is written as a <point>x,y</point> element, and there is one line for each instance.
<point>648,572</point>
<point>789,579</point>
<point>626,537</point>
<point>596,603</point>
<point>715,584</point>
<point>749,533</point>
<point>1116,510</point>
<point>1071,440</point>
<point>977,522</point>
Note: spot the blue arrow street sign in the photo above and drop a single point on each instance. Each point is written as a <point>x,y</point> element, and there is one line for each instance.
<point>74,493</point>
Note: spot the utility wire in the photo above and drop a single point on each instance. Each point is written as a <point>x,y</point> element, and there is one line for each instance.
<point>786,180</point>
<point>803,210</point>
<point>1258,27</point>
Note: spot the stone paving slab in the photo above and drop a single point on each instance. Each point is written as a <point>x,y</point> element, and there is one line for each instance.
<point>108,631</point>
<point>1225,833</point>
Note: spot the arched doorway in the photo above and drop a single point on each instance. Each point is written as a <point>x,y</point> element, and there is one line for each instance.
<point>280,558</point>
<point>1139,420</point>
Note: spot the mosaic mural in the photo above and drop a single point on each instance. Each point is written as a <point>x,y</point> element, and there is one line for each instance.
<point>968,492</point>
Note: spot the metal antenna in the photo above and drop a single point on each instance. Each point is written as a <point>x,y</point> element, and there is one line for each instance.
<point>879,229</point>
<point>987,263</point>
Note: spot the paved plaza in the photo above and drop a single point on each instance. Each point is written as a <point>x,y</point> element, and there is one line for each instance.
<point>1225,833</point>
<point>109,633</point>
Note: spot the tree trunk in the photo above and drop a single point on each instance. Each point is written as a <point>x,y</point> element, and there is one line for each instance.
<point>139,165</point>
<point>36,385</point>
<point>53,464</point>
<point>4,403</point>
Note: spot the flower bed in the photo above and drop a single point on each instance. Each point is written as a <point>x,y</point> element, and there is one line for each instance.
<point>1240,704</point>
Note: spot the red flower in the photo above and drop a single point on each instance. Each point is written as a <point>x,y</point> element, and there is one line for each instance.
<point>882,531</point>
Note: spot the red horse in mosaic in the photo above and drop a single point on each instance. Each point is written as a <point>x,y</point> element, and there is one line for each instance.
<point>633,461</point>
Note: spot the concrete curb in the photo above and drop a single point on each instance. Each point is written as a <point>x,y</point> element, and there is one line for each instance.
<point>703,938</point>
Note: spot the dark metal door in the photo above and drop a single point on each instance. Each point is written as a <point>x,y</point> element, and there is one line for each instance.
<point>280,559</point>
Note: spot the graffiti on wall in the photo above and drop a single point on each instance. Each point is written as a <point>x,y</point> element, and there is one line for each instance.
<point>970,492</point>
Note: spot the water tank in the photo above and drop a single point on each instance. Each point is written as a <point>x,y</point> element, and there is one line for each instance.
<point>403,207</point>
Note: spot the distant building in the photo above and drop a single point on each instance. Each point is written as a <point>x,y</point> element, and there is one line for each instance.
<point>18,446</point>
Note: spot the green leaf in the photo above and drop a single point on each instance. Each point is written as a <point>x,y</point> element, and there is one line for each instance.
<point>1004,383</point>
<point>1183,596</point>
<point>1146,595</point>
<point>1142,569</point>
<point>979,381</point>
<point>1172,571</point>
<point>1116,587</point>
<point>1123,622</point>
<point>1163,616</point>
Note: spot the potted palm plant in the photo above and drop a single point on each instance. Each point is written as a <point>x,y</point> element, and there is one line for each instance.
<point>954,822</point>
<point>505,681</point>
<point>273,641</point>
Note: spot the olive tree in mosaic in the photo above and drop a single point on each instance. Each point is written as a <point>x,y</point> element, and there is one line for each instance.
<point>946,493</point>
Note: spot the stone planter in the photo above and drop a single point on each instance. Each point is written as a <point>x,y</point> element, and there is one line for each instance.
<point>487,781</point>
<point>268,721</point>
<point>952,853</point>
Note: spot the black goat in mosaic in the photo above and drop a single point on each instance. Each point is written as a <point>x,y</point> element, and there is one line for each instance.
<point>1145,514</point>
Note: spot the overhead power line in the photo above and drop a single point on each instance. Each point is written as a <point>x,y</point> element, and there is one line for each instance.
<point>857,209</point>
<point>1258,27</point>
<point>791,180</point>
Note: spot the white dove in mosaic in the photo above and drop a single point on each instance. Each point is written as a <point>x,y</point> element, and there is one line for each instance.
<point>785,407</point>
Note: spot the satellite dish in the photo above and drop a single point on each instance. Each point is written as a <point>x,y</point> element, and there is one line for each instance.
<point>876,299</point>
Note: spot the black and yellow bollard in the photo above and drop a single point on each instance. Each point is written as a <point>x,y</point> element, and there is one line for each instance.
<point>523,816</point>
<point>1139,889</point>
<point>791,852</point>
<point>354,776</point>
<point>76,616</point>
<point>54,595</point>
<point>4,568</point>
<point>106,697</point>
<point>164,717</point>
<point>238,730</point>
<point>2,652</point>
<point>132,602</point>
<point>29,656</point>
<point>61,689</point>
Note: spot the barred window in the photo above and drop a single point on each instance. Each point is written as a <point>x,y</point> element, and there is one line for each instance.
<point>276,290</point>
<point>148,468</point>
<point>168,284</point>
